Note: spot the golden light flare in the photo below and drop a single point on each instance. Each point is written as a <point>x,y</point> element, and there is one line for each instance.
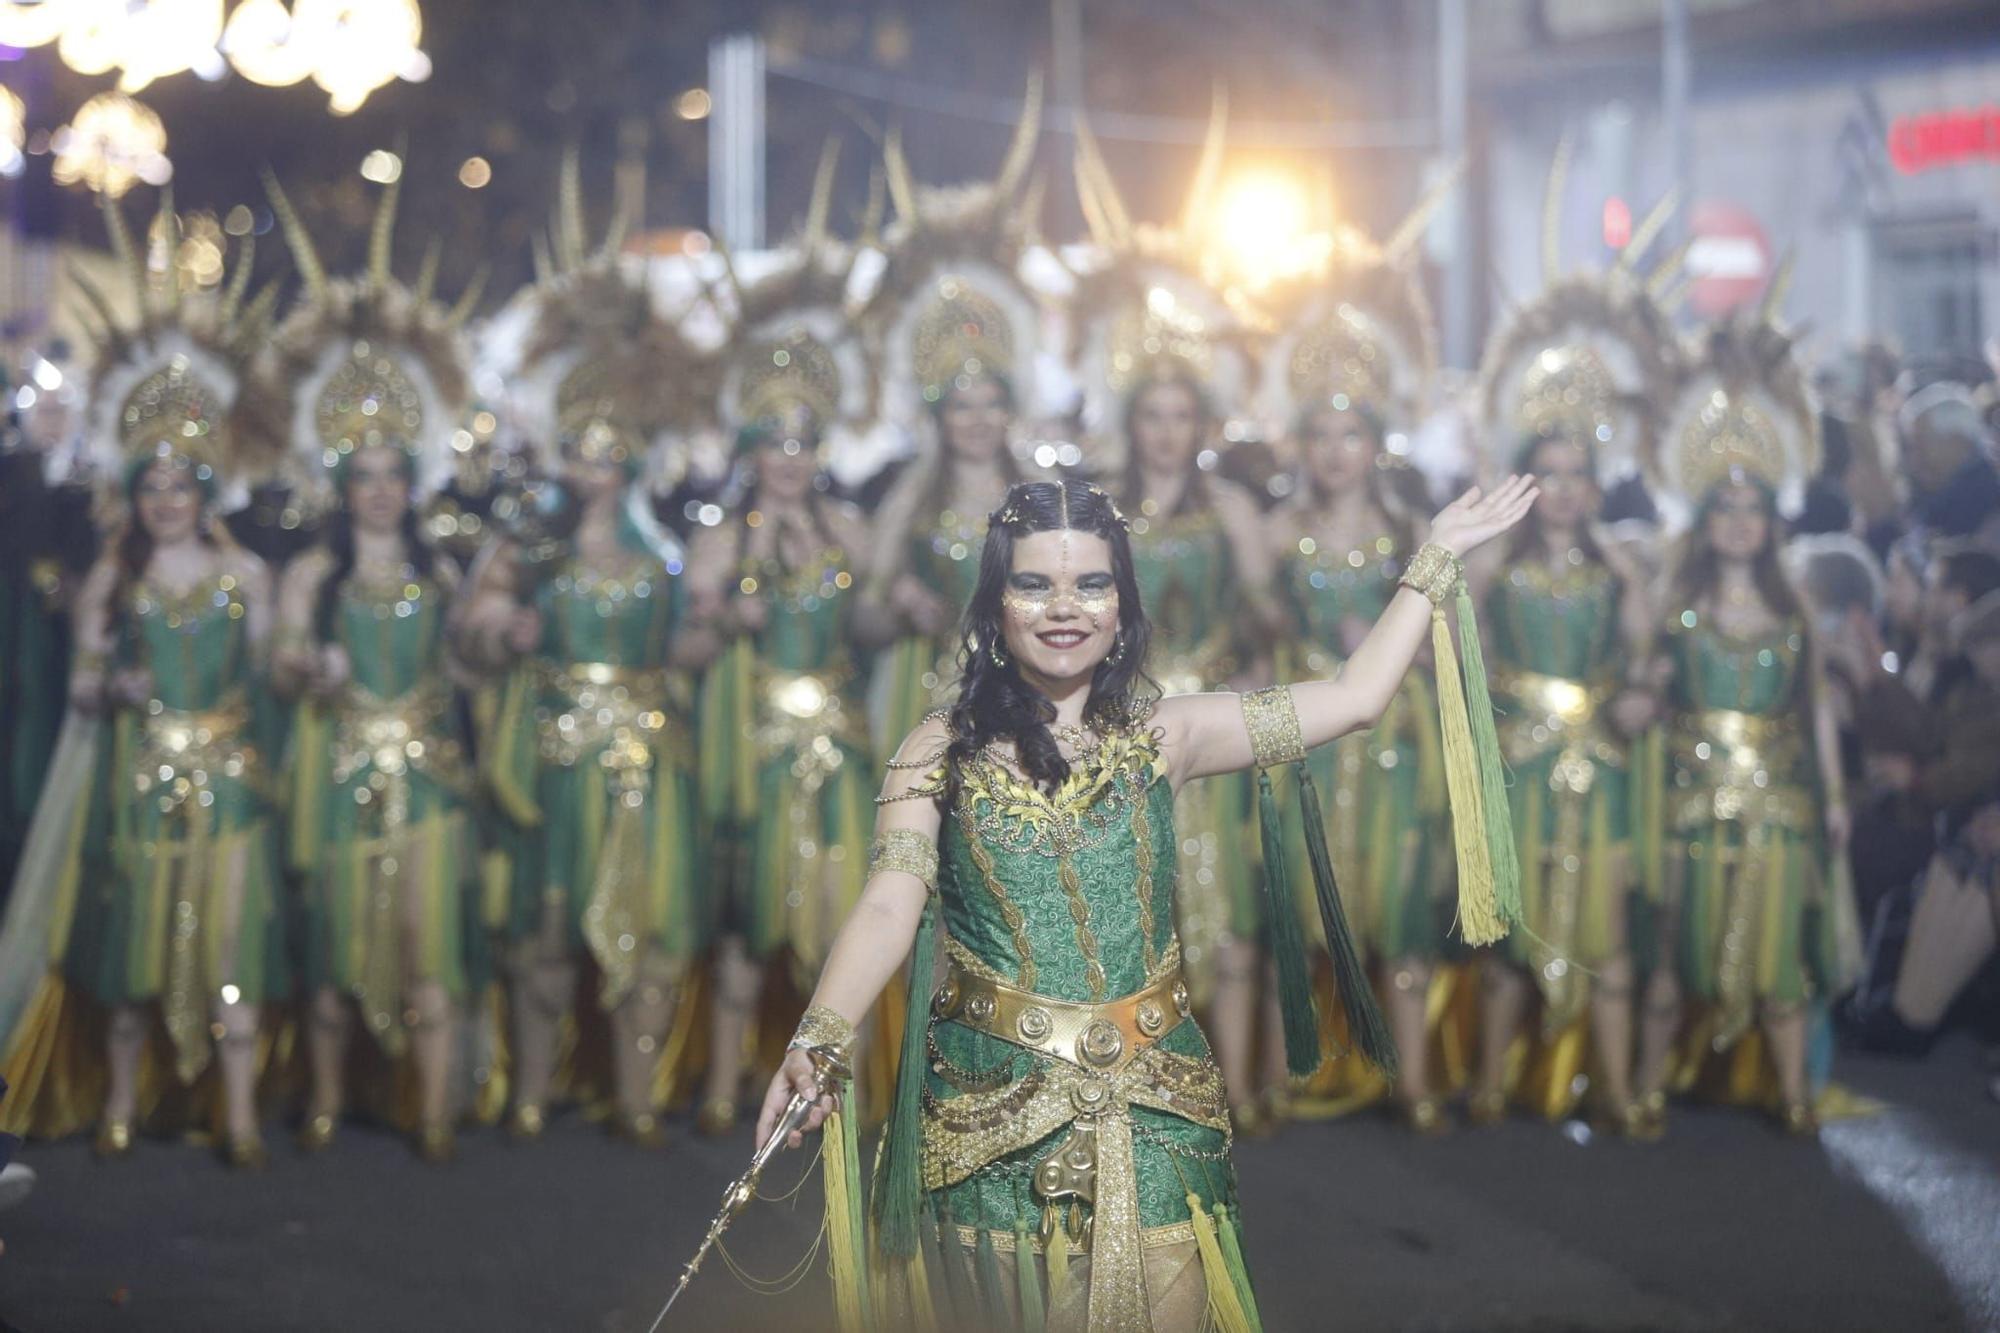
<point>1262,228</point>
<point>113,143</point>
<point>349,48</point>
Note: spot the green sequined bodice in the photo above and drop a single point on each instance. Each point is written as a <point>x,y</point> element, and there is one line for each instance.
<point>1324,587</point>
<point>1564,625</point>
<point>1185,579</point>
<point>195,642</point>
<point>1070,896</point>
<point>623,619</point>
<point>1760,674</point>
<point>391,632</point>
<point>806,625</point>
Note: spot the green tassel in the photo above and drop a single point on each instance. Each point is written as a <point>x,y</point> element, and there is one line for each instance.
<point>1492,770</point>
<point>993,1297</point>
<point>902,1186</point>
<point>1239,1272</point>
<point>1365,1021</point>
<point>1027,1284</point>
<point>957,1278</point>
<point>1295,999</point>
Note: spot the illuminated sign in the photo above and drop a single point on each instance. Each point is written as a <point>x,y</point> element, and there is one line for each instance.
<point>1944,138</point>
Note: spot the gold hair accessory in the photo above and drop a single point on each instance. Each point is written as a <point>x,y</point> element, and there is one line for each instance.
<point>1435,572</point>
<point>793,379</point>
<point>908,851</point>
<point>961,332</point>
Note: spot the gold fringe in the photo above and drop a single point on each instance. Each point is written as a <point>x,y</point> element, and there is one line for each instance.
<point>1478,905</point>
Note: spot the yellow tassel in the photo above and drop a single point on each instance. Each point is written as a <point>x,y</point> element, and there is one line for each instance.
<point>1225,1309</point>
<point>843,1216</point>
<point>1478,906</point>
<point>1058,1264</point>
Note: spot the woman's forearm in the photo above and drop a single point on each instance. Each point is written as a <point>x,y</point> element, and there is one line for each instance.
<point>1358,696</point>
<point>871,945</point>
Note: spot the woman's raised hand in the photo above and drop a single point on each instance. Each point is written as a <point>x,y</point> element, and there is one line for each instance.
<point>1477,517</point>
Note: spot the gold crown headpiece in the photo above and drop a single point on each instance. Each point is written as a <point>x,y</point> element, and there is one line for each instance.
<point>1744,412</point>
<point>173,412</point>
<point>1158,338</point>
<point>591,419</point>
<point>960,331</point>
<point>371,399</point>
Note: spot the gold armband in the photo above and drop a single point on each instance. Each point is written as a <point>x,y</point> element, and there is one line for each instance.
<point>908,851</point>
<point>1272,720</point>
<point>823,1029</point>
<point>1434,572</point>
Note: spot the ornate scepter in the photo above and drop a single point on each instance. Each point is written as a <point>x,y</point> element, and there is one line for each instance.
<point>830,1071</point>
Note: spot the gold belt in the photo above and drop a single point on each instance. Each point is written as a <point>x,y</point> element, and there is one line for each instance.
<point>1558,698</point>
<point>1745,765</point>
<point>571,677</point>
<point>1105,1036</point>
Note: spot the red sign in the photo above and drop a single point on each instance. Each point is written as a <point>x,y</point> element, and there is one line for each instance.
<point>1944,139</point>
<point>1728,258</point>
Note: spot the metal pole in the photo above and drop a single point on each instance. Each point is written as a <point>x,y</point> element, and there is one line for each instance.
<point>736,141</point>
<point>1452,136</point>
<point>1674,110</point>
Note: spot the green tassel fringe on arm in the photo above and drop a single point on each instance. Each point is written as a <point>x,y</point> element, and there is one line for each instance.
<point>1365,1020</point>
<point>898,1201</point>
<point>1288,947</point>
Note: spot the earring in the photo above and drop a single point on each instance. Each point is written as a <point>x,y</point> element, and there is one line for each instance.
<point>995,656</point>
<point>1117,648</point>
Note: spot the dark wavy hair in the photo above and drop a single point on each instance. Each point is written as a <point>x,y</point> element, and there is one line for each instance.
<point>339,542</point>
<point>994,703</point>
<point>1699,573</point>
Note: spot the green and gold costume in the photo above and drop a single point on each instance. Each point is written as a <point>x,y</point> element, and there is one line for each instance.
<point>1070,1103</point>
<point>379,826</point>
<point>1745,864</point>
<point>1557,658</point>
<point>785,770</point>
<point>1384,789</point>
<point>1188,582</point>
<point>593,767</point>
<point>917,674</point>
<point>178,897</point>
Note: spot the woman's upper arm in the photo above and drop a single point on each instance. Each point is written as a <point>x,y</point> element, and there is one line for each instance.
<point>1202,735</point>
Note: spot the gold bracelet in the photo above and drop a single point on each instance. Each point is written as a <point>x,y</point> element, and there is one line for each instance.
<point>1435,572</point>
<point>1272,719</point>
<point>908,851</point>
<point>823,1029</point>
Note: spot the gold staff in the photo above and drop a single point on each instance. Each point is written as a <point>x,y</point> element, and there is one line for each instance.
<point>830,1071</point>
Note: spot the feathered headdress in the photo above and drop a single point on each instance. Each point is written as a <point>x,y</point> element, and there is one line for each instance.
<point>1356,328</point>
<point>602,370</point>
<point>178,384</point>
<point>1143,308</point>
<point>794,360</point>
<point>368,361</point>
<point>950,301</point>
<point>1592,359</point>
<point>1743,410</point>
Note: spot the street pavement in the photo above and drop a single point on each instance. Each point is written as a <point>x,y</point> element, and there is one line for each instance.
<point>1887,1223</point>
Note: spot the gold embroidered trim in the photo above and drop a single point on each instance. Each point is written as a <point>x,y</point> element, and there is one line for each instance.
<point>1434,572</point>
<point>989,877</point>
<point>1150,1238</point>
<point>908,851</point>
<point>1272,720</point>
<point>1142,845</point>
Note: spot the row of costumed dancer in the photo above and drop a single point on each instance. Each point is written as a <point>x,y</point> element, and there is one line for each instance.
<point>439,829</point>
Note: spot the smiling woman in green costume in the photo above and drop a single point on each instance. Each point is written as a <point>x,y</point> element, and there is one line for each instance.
<point>1059,1123</point>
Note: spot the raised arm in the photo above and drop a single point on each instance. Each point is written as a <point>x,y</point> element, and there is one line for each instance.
<point>871,945</point>
<point>1204,734</point>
